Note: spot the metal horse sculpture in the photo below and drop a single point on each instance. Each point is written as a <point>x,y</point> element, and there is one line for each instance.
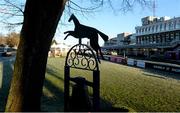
<point>82,31</point>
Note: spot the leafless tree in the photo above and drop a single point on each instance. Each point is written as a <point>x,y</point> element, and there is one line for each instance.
<point>2,40</point>
<point>12,39</point>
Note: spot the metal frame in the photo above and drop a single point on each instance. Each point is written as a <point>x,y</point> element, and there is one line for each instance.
<point>81,56</point>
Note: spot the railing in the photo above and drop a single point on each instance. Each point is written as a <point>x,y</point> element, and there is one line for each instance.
<point>175,42</point>
<point>81,56</point>
<point>165,44</point>
<point>154,32</point>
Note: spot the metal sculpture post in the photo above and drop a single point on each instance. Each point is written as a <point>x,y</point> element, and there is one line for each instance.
<point>81,56</point>
<point>83,31</point>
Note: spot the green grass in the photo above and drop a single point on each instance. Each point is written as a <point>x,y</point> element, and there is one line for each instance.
<point>121,86</point>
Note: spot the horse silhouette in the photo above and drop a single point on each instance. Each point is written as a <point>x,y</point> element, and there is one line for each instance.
<point>82,31</point>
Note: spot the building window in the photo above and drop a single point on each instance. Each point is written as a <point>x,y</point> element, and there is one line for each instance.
<point>156,28</point>
<point>139,30</point>
<point>149,28</point>
<point>171,36</point>
<point>142,30</point>
<point>164,26</point>
<point>167,37</point>
<point>171,25</point>
<point>152,28</point>
<point>177,35</point>
<point>160,27</point>
<point>174,24</point>
<point>168,26</point>
<point>145,29</point>
<point>178,24</point>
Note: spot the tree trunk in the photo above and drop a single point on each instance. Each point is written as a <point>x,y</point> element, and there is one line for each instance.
<point>41,18</point>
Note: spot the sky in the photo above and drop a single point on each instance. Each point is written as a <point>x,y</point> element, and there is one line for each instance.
<point>113,22</point>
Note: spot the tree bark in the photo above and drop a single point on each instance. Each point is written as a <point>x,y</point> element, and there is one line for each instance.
<point>41,18</point>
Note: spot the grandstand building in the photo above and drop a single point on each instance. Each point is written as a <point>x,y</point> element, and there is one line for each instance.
<point>156,37</point>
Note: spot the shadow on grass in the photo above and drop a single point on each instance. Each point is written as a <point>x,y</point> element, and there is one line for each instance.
<point>56,102</point>
<point>5,80</point>
<point>49,103</point>
<point>160,74</point>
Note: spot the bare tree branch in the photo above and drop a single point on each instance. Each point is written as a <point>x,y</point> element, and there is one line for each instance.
<point>9,9</point>
<point>15,6</point>
<point>85,9</point>
<point>10,13</point>
<point>72,6</point>
<point>13,24</point>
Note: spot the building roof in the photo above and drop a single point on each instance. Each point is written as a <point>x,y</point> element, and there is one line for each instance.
<point>55,44</point>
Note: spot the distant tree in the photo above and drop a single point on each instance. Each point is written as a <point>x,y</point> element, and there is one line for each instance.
<point>54,41</point>
<point>40,21</point>
<point>2,40</point>
<point>12,40</point>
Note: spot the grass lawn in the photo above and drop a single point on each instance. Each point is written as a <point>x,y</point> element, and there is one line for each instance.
<point>121,86</point>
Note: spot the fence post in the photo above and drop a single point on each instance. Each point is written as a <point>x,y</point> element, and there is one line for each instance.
<point>66,88</point>
<point>96,90</point>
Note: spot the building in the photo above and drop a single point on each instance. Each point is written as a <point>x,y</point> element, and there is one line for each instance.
<point>159,35</point>
<point>156,37</point>
<point>110,47</point>
<point>121,39</point>
<point>163,30</point>
<point>58,49</point>
<point>111,42</point>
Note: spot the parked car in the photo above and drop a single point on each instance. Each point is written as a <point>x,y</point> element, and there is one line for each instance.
<point>7,54</point>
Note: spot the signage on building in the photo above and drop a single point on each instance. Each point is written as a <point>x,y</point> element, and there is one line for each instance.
<point>140,63</point>
<point>106,58</point>
<point>113,59</point>
<point>130,61</point>
<point>168,68</point>
<point>175,70</point>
